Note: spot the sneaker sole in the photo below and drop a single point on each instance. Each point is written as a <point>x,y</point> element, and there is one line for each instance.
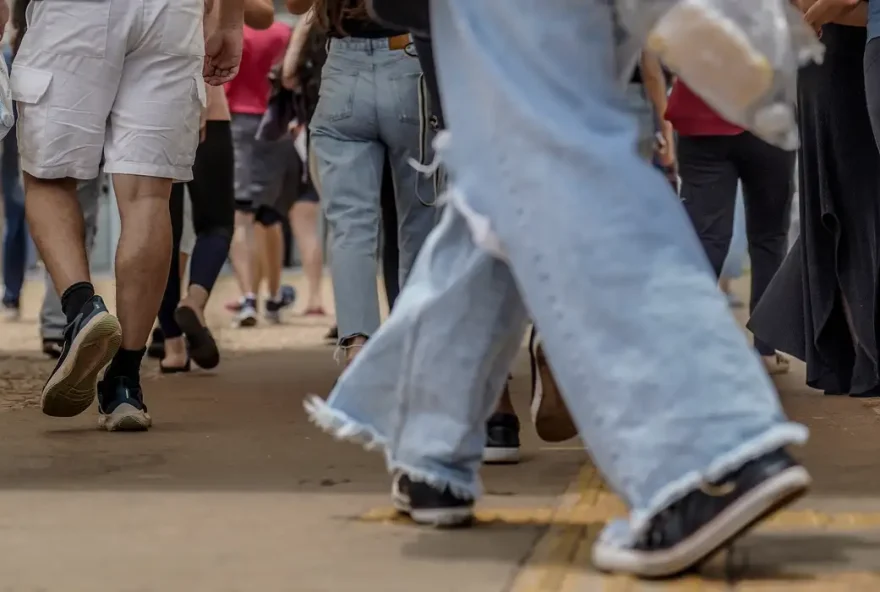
<point>752,508</point>
<point>443,517</point>
<point>497,455</point>
<point>249,321</point>
<point>203,347</point>
<point>72,388</point>
<point>551,417</point>
<point>125,418</point>
<point>436,517</point>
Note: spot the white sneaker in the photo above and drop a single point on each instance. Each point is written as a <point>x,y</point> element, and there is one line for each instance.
<point>247,316</point>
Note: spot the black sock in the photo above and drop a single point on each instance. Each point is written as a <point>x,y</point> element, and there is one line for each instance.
<point>75,297</point>
<point>127,363</point>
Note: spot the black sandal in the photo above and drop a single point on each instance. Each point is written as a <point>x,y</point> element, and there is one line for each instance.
<point>202,347</point>
<point>175,369</point>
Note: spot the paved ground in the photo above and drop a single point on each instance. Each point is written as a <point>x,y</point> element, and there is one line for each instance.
<point>234,491</point>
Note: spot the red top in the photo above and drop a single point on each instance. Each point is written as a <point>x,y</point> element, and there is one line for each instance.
<point>691,116</point>
<point>249,91</point>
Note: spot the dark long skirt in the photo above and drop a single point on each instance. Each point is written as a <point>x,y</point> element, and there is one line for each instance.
<point>822,306</point>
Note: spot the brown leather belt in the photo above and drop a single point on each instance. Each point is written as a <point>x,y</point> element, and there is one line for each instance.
<point>399,41</point>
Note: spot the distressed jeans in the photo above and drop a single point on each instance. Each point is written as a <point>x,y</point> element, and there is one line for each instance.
<point>553,215</point>
<point>371,107</point>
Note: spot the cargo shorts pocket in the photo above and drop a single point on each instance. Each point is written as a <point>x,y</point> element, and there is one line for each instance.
<point>29,89</point>
<point>69,27</point>
<point>188,142</point>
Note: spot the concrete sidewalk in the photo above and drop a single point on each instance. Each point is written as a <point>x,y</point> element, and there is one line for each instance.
<point>234,490</point>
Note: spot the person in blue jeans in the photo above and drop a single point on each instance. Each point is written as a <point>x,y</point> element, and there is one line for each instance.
<point>369,108</point>
<point>551,215</point>
<point>15,235</point>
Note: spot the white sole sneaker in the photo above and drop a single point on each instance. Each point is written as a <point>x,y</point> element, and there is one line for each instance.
<point>73,385</point>
<point>125,418</point>
<point>755,505</point>
<point>499,455</point>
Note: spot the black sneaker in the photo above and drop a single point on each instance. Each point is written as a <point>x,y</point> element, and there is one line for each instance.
<point>426,504</point>
<point>707,519</point>
<point>332,334</point>
<point>90,342</point>
<point>274,307</point>
<point>121,406</point>
<point>502,439</point>
<point>156,349</point>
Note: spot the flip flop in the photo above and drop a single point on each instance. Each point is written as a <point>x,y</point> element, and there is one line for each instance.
<point>175,369</point>
<point>202,347</point>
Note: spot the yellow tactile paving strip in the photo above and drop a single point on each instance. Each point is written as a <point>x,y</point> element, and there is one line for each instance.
<point>560,561</point>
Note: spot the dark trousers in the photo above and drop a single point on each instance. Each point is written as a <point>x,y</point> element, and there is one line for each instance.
<point>710,167</point>
<point>212,197</point>
<point>390,251</point>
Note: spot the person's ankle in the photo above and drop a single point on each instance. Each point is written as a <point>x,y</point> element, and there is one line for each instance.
<point>126,363</point>
<point>75,298</point>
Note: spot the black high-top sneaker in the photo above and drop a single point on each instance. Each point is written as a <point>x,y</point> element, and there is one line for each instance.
<point>429,505</point>
<point>709,518</point>
<point>502,439</point>
<point>121,405</point>
<point>90,342</point>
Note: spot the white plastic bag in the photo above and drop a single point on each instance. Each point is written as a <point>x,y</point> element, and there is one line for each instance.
<point>7,119</point>
<point>740,56</point>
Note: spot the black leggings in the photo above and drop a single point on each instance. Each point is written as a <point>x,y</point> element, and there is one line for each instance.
<point>710,167</point>
<point>390,250</point>
<point>212,196</point>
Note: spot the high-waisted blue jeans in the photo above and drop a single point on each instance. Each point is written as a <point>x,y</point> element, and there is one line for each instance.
<point>370,109</point>
<point>553,216</point>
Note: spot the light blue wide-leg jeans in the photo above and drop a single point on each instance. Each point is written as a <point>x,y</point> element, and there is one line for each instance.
<point>553,215</point>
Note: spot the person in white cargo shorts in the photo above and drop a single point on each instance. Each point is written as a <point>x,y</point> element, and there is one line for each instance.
<point>122,81</point>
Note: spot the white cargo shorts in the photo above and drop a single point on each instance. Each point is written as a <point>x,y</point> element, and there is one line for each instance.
<point>118,78</point>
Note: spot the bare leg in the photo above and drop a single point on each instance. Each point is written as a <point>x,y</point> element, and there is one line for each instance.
<point>184,259</point>
<point>304,223</point>
<point>241,251</point>
<point>270,247</point>
<point>56,223</point>
<point>143,254</point>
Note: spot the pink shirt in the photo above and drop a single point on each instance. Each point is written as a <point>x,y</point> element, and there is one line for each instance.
<point>249,91</point>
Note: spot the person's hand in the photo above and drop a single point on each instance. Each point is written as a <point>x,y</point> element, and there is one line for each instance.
<point>4,16</point>
<point>289,79</point>
<point>666,145</point>
<point>222,55</point>
<point>295,128</point>
<point>823,12</point>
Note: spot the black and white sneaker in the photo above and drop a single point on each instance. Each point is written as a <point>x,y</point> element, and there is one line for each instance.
<point>90,342</point>
<point>502,439</point>
<point>705,520</point>
<point>428,505</point>
<point>121,406</point>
